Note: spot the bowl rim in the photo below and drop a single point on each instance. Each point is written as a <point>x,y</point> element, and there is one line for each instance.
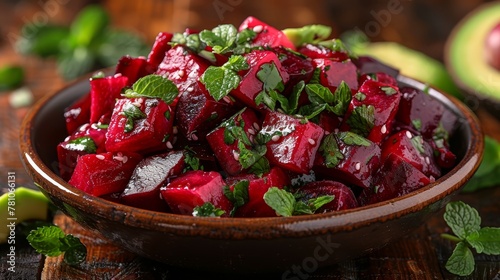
<point>255,228</point>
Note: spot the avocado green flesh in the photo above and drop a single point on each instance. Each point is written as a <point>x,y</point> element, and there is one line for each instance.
<point>466,52</point>
<point>411,63</point>
<point>25,204</point>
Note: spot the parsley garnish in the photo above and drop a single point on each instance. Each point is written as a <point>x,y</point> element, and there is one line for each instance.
<point>362,120</point>
<point>52,241</point>
<point>153,86</point>
<point>272,84</point>
<point>322,98</point>
<point>353,139</point>
<point>132,113</point>
<point>238,196</point>
<point>286,204</point>
<point>219,81</point>
<point>207,210</point>
<point>389,90</point>
<point>191,160</point>
<point>226,39</point>
<point>84,144</point>
<point>330,150</point>
<point>465,223</point>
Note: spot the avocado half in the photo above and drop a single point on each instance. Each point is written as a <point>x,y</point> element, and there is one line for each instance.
<point>465,61</point>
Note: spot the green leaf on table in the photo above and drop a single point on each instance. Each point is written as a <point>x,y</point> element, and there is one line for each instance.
<point>45,40</point>
<point>52,241</point>
<point>76,62</point>
<point>153,86</point>
<point>462,219</point>
<point>461,261</point>
<point>113,44</point>
<point>220,81</point>
<point>11,76</point>
<point>88,26</point>
<point>487,241</point>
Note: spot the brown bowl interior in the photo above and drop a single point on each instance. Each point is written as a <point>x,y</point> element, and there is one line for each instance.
<point>242,244</point>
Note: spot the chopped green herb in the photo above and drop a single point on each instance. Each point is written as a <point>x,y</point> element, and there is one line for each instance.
<point>207,210</point>
<point>362,120</point>
<point>84,144</point>
<point>221,38</point>
<point>417,124</point>
<point>153,86</point>
<point>132,113</point>
<point>389,90</point>
<point>272,84</point>
<point>351,138</point>
<point>191,160</point>
<point>238,196</point>
<point>286,204</point>
<point>330,151</point>
<point>360,96</point>
<point>98,75</point>
<point>219,81</point>
<point>52,241</point>
<point>418,143</point>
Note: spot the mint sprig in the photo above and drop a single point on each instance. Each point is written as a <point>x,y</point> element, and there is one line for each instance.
<point>286,204</point>
<point>238,196</point>
<point>465,223</point>
<point>330,150</point>
<point>322,98</point>
<point>225,38</point>
<point>362,120</point>
<point>272,85</point>
<point>52,241</point>
<point>221,80</point>
<point>153,86</point>
<point>207,210</point>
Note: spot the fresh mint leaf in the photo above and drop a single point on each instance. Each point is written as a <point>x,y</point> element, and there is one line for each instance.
<point>312,205</point>
<point>362,120</point>
<point>315,79</point>
<point>462,219</point>
<point>191,160</point>
<point>269,75</point>
<point>207,210</point>
<point>330,151</point>
<point>341,99</point>
<point>461,261</point>
<point>52,241</point>
<point>153,86</point>
<point>248,157</point>
<point>353,139</point>
<point>280,201</point>
<point>238,196</point>
<point>260,167</point>
<point>84,144</point>
<point>389,90</point>
<point>310,111</point>
<point>191,41</point>
<point>221,38</point>
<point>132,113</point>
<point>487,241</point>
<point>309,34</point>
<point>245,36</point>
<point>319,94</point>
<point>219,81</point>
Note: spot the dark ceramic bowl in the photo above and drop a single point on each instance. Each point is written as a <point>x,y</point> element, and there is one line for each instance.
<point>242,244</point>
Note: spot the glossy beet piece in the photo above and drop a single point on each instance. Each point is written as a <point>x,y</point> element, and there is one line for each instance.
<point>160,47</point>
<point>329,121</point>
<point>267,36</point>
<point>152,133</point>
<point>77,114</point>
<point>71,148</point>
<point>395,178</point>
<point>293,143</point>
<point>250,85</point>
<point>182,67</point>
<point>412,149</point>
<point>299,68</point>
<point>367,64</point>
<point>197,112</point>
<point>194,188</point>
<point>334,72</point>
<point>100,174</point>
<point>227,153</point>
<point>103,93</point>
<point>133,68</point>
<point>420,111</point>
<point>379,77</point>
<point>343,196</point>
<point>257,187</point>
<point>150,174</point>
<point>318,51</point>
<point>384,99</point>
<point>358,165</point>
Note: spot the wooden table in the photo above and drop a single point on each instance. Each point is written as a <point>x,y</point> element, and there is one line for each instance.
<point>421,255</point>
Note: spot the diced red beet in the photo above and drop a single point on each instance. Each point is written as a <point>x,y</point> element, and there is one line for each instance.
<point>133,68</point>
<point>358,165</point>
<point>152,133</point>
<point>194,188</point>
<point>182,67</point>
<point>298,68</point>
<point>443,156</point>
<point>267,36</point>
<point>318,51</point>
<point>379,77</point>
<point>257,187</point>
<point>250,85</point>
<point>225,153</point>
<point>420,111</point>
<point>343,196</point>
<point>294,142</point>
<point>367,64</point>
<point>100,174</point>
<point>197,112</point>
<point>395,178</point>
<point>385,100</point>
<point>71,148</point>
<point>104,92</point>
<point>329,121</point>
<point>160,47</point>
<point>77,114</point>
<point>150,174</point>
<point>412,149</point>
<point>334,72</point>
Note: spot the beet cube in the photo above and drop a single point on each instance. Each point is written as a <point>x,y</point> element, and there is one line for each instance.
<point>104,92</point>
<point>297,67</point>
<point>318,51</point>
<point>100,174</point>
<point>334,72</point>
<point>293,143</point>
<point>151,133</point>
<point>257,187</point>
<point>160,47</point>
<point>77,114</point>
<point>150,174</point>
<point>194,188</point>
<point>343,196</point>
<point>227,153</point>
<point>267,36</point>
<point>133,68</point>
<point>379,77</point>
